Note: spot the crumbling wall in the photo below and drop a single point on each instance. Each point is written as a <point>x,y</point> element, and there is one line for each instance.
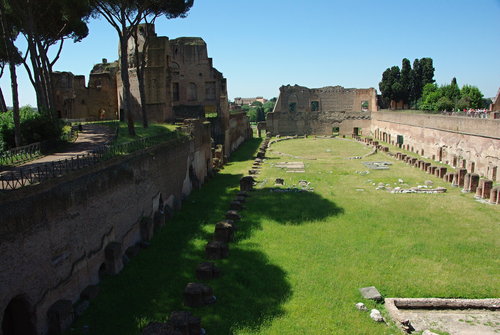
<point>459,141</point>
<point>58,247</point>
<point>300,110</point>
<point>239,131</point>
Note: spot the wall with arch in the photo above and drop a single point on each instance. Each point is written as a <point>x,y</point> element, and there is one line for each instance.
<point>56,238</point>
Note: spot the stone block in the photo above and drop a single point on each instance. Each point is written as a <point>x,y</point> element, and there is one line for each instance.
<point>90,292</point>
<point>207,271</point>
<point>147,228</point>
<point>461,176</point>
<point>236,205</point>
<point>253,172</point>
<point>160,328</point>
<point>246,183</point>
<point>186,323</point>
<point>371,293</point>
<point>233,216</point>
<point>113,258</point>
<point>216,250</point>
<point>198,295</point>
<point>60,316</point>
<point>223,232</point>
<point>467,182</point>
<point>495,195</point>
<point>486,186</point>
<point>479,192</point>
<point>474,182</point>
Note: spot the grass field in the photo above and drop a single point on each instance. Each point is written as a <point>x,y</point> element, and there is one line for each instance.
<point>300,257</point>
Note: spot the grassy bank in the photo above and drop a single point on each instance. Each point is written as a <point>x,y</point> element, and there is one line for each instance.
<point>300,257</point>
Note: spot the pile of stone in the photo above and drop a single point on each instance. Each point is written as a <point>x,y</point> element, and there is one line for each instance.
<point>468,181</point>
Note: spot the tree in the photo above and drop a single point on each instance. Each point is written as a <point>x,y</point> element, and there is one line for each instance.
<point>44,24</point>
<point>427,71</point>
<point>152,9</point>
<point>405,80</point>
<point>125,16</point>
<point>10,54</point>
<point>444,104</point>
<point>472,95</point>
<point>430,96</point>
<point>390,86</point>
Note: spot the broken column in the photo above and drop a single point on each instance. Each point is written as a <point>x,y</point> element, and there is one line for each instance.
<point>185,322</point>
<point>461,176</point>
<point>467,182</point>
<point>474,182</point>
<point>233,216</point>
<point>486,186</point>
<point>223,232</point>
<point>198,295</point>
<point>207,271</point>
<point>246,183</point>
<point>60,316</point>
<point>113,258</point>
<point>495,195</point>
<point>216,250</point>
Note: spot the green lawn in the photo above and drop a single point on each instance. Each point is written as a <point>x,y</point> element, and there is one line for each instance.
<point>300,258</point>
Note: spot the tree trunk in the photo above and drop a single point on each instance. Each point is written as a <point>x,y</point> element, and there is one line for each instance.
<point>3,105</point>
<point>15,104</point>
<point>125,78</point>
<point>140,66</point>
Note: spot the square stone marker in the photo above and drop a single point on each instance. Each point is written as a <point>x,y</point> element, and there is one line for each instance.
<point>371,293</point>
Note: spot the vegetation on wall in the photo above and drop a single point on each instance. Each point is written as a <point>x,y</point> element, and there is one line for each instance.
<point>451,97</point>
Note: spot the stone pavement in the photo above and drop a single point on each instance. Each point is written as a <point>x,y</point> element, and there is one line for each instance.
<point>89,138</point>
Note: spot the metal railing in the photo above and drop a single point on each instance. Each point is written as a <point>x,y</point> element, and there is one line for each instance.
<point>37,173</point>
<point>20,154</point>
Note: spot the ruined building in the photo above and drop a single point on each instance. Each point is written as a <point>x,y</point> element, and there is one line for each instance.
<point>180,82</point>
<point>300,110</point>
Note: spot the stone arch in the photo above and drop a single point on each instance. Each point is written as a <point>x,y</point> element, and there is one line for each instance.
<point>19,317</point>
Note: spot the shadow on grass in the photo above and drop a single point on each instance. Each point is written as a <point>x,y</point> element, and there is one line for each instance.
<point>286,208</point>
<point>246,151</point>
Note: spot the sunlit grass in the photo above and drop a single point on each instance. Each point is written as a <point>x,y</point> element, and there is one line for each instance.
<point>300,257</point>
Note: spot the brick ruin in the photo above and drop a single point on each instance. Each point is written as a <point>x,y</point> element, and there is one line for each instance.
<point>180,83</point>
<point>461,142</point>
<point>300,111</point>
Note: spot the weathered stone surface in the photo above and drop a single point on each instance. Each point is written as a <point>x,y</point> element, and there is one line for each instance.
<point>216,250</point>
<point>361,306</point>
<point>133,251</point>
<point>207,271</point>
<point>90,292</point>
<point>279,181</point>
<point>197,295</point>
<point>223,232</point>
<point>486,186</point>
<point>159,328</point>
<point>233,215</point>
<point>60,316</point>
<point>376,316</point>
<point>113,257</point>
<point>246,183</point>
<point>235,205</point>
<point>81,307</point>
<point>371,293</point>
<point>428,332</point>
<point>186,323</point>
<point>495,195</point>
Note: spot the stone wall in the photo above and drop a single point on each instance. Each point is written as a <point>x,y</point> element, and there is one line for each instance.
<point>239,131</point>
<point>96,101</point>
<point>56,237</point>
<point>459,141</point>
<point>300,110</point>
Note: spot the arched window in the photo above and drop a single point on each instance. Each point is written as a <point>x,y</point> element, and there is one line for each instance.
<point>192,92</point>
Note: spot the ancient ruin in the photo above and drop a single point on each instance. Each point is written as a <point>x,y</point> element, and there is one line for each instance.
<point>300,110</point>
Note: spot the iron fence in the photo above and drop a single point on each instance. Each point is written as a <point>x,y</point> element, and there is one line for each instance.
<point>20,154</point>
<point>37,173</point>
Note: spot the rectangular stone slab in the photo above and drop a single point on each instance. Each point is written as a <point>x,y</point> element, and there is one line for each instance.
<point>371,293</point>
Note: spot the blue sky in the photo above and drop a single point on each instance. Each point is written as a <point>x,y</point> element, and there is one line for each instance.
<point>260,45</point>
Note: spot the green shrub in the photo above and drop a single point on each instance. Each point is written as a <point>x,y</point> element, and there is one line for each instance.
<point>35,127</point>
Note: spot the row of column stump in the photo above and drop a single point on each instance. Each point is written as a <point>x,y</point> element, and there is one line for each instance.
<point>469,182</point>
<point>197,294</point>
